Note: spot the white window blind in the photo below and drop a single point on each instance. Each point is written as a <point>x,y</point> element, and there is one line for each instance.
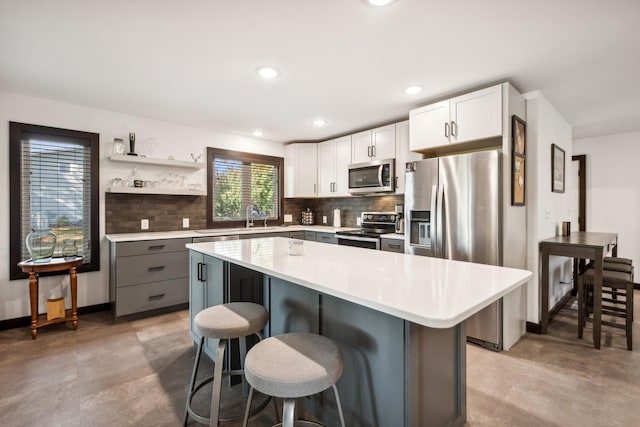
<point>239,183</point>
<point>56,191</point>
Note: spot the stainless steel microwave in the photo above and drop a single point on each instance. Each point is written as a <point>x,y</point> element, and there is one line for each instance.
<point>376,176</point>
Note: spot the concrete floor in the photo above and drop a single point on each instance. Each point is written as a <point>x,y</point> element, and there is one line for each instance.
<point>135,374</point>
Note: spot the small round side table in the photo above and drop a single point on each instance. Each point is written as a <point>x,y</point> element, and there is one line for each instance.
<point>56,264</point>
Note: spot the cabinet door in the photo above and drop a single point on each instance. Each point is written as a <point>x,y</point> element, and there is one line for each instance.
<point>196,290</point>
<point>384,142</point>
<point>326,167</point>
<point>301,170</point>
<point>403,155</point>
<point>427,126</point>
<point>213,275</point>
<point>477,115</point>
<point>343,160</point>
<point>361,147</point>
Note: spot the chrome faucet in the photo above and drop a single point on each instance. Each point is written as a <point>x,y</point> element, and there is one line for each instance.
<point>249,213</point>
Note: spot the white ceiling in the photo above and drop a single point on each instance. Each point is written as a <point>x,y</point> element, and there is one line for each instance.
<point>194,61</point>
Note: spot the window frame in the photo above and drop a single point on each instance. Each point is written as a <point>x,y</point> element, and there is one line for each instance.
<point>16,130</point>
<point>244,157</point>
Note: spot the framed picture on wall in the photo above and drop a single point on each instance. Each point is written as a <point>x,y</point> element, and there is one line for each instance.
<point>518,157</point>
<point>557,169</point>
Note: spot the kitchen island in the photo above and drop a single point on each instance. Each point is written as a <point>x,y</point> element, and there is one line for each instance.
<point>397,318</point>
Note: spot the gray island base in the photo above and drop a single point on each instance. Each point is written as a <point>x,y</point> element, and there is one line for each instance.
<point>397,372</point>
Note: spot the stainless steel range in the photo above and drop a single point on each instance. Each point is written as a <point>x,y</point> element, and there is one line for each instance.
<point>373,225</point>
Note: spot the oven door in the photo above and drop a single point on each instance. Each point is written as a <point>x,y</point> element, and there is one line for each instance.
<point>359,242</point>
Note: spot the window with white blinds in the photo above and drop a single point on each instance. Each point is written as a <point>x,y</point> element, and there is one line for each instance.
<point>243,184</point>
<point>56,191</point>
<point>54,187</point>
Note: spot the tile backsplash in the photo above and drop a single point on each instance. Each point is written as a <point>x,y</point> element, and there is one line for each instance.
<point>123,212</point>
<point>350,207</point>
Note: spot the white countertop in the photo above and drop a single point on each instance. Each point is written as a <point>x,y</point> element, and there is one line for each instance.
<point>156,235</point>
<point>429,291</point>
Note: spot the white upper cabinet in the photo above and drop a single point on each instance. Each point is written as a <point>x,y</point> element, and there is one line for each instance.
<point>334,157</point>
<point>403,155</point>
<point>429,126</point>
<point>374,144</point>
<point>300,170</point>
<point>476,115</point>
<point>469,117</point>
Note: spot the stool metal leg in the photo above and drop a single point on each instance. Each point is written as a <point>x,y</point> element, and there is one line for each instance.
<point>288,412</point>
<point>193,380</point>
<point>246,411</point>
<point>335,390</point>
<point>217,384</point>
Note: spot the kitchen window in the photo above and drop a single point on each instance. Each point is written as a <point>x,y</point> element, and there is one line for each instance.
<point>242,183</point>
<point>54,186</point>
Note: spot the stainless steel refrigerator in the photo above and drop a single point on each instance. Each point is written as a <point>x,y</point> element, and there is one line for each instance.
<point>453,211</point>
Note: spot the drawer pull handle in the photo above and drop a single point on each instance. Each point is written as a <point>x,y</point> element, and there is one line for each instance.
<point>395,246</point>
<point>156,297</point>
<point>156,247</point>
<point>159,268</point>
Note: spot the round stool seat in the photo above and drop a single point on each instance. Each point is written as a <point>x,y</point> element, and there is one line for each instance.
<point>232,320</point>
<point>293,365</point>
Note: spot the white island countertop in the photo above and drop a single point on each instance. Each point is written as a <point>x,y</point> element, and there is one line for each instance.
<point>428,291</point>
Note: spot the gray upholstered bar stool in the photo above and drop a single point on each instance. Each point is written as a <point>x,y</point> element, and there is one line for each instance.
<point>223,322</point>
<point>291,366</point>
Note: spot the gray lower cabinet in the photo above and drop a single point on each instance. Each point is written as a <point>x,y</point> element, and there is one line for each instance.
<point>392,245</point>
<point>269,234</point>
<point>296,235</point>
<point>148,275</point>
<point>372,386</point>
<point>206,289</point>
<point>326,238</point>
<point>310,235</point>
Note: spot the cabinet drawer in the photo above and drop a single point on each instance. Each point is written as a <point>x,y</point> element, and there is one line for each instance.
<point>327,238</point>
<point>392,245</point>
<point>148,296</point>
<point>296,235</point>
<point>151,268</point>
<point>310,235</point>
<point>146,247</point>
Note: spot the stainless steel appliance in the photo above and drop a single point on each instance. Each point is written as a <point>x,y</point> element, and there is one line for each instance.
<point>377,176</point>
<point>452,205</point>
<point>373,225</point>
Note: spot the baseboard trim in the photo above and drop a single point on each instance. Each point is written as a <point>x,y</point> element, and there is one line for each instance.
<point>534,328</point>
<point>21,322</point>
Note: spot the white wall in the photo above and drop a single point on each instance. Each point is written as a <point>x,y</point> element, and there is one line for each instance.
<point>613,188</point>
<point>171,140</point>
<point>545,210</point>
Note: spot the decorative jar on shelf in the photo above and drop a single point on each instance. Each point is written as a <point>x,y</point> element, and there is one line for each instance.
<point>41,244</point>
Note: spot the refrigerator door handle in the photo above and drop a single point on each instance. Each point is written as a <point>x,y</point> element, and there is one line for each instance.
<point>433,220</point>
<point>440,248</point>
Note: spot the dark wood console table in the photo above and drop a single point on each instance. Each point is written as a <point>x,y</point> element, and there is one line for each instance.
<point>55,264</point>
<point>581,245</point>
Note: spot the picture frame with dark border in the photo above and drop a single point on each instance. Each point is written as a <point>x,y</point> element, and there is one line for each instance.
<point>518,157</point>
<point>557,169</point>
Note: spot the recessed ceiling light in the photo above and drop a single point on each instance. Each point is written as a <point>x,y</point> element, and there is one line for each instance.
<point>412,90</point>
<point>257,133</point>
<point>267,72</point>
<point>379,2</point>
<point>319,122</point>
